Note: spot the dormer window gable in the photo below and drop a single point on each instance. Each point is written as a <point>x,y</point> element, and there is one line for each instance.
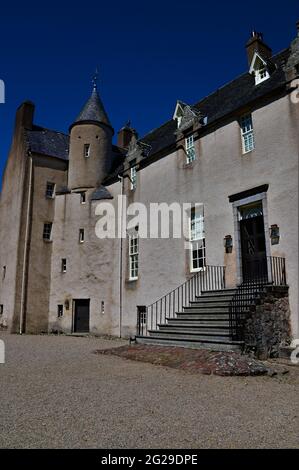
<point>259,68</point>
<point>187,117</point>
<point>179,112</point>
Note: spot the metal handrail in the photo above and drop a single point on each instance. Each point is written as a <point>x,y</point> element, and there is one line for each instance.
<point>209,278</point>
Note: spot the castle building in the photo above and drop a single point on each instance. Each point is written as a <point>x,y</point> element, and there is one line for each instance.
<point>235,152</point>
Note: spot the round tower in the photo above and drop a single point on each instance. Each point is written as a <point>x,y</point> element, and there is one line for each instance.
<point>90,154</point>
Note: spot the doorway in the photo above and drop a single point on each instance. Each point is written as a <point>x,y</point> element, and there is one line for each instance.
<point>81,315</point>
<point>253,243</point>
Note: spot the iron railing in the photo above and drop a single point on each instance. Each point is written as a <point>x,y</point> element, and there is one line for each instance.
<point>210,278</point>
<point>270,271</point>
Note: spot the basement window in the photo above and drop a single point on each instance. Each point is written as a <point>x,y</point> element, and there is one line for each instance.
<point>81,235</point>
<point>86,150</point>
<point>47,232</point>
<point>63,265</point>
<point>59,310</point>
<point>50,190</point>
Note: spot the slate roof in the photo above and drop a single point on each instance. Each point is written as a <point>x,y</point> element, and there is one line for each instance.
<point>232,96</point>
<point>48,142</point>
<point>93,110</point>
<point>227,99</point>
<point>101,193</point>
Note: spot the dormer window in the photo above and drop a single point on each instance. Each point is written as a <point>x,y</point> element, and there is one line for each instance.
<point>259,69</point>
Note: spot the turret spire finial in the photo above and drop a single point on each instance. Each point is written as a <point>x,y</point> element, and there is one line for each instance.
<point>95,79</point>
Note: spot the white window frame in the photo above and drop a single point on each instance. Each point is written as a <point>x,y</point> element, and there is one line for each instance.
<point>47,231</point>
<point>133,177</point>
<point>247,133</point>
<point>197,237</point>
<point>190,149</point>
<point>261,75</point>
<point>81,235</point>
<point>133,256</point>
<point>86,150</point>
<point>50,193</point>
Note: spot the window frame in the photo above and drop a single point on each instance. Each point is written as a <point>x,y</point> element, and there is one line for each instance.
<point>59,310</point>
<point>48,194</point>
<point>197,236</point>
<point>48,238</point>
<point>133,256</point>
<point>63,265</point>
<point>83,197</point>
<point>81,232</point>
<point>86,153</point>
<point>245,134</point>
<point>190,149</point>
<point>133,175</point>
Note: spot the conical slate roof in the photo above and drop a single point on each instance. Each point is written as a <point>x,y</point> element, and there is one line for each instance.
<point>93,110</point>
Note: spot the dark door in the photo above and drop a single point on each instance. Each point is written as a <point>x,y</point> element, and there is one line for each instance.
<point>81,319</point>
<point>254,259</point>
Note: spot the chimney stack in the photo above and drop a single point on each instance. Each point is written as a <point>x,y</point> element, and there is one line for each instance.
<point>125,135</point>
<point>25,113</point>
<point>256,44</point>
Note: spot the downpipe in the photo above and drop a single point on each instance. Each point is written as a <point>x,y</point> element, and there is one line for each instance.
<point>25,247</point>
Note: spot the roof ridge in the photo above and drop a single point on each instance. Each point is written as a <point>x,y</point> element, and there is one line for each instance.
<point>236,78</point>
<point>212,93</point>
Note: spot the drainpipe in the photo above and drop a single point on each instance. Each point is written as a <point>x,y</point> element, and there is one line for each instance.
<point>25,247</point>
<point>121,178</point>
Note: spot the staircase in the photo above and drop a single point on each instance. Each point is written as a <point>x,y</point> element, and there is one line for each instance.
<point>203,313</point>
<point>202,323</point>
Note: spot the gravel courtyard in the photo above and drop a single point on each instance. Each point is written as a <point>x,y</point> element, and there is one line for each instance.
<point>55,393</point>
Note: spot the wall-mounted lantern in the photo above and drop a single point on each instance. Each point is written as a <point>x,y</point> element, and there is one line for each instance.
<point>228,243</point>
<point>274,234</point>
<point>67,304</point>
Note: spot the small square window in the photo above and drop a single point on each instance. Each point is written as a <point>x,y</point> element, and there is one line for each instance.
<point>50,190</point>
<point>83,197</point>
<point>59,310</point>
<point>47,232</point>
<point>81,235</point>
<point>86,150</point>
<point>63,265</point>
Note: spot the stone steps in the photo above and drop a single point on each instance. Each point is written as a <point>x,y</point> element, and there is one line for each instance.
<point>202,323</point>
<point>193,343</point>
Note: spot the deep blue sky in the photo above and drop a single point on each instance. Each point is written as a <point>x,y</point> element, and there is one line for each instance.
<point>150,53</point>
